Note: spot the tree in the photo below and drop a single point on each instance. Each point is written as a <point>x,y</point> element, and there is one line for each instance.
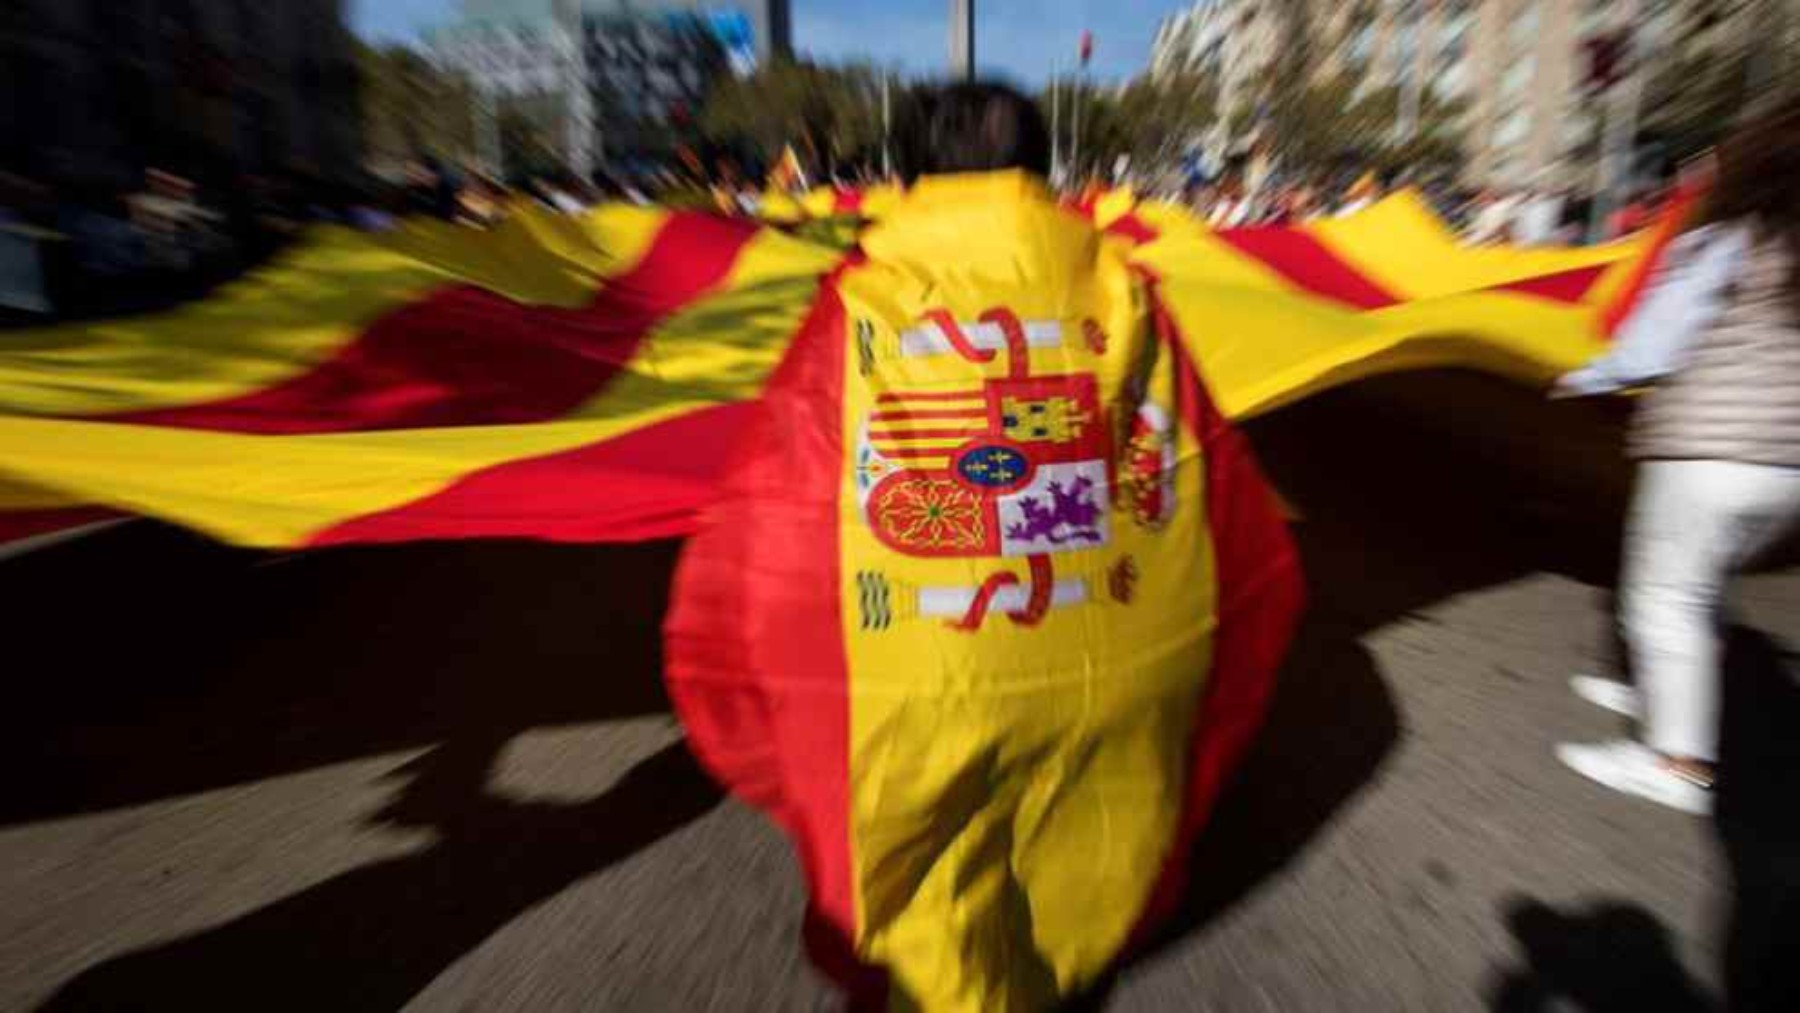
<point>1152,120</point>
<point>410,109</point>
<point>1319,123</point>
<point>526,128</point>
<point>831,115</point>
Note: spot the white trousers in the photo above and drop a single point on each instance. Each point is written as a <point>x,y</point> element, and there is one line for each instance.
<point>1693,524</point>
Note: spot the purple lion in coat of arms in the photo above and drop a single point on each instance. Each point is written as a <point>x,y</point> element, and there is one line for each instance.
<point>1071,516</point>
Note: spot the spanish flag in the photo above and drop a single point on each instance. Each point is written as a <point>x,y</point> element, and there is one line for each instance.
<point>983,596</point>
<point>989,604</point>
<point>526,381</point>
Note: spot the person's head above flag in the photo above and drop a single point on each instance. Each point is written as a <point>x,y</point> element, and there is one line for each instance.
<point>973,127</point>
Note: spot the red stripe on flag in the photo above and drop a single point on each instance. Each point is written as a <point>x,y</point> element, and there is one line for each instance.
<point>1674,219</point>
<point>1259,600</point>
<point>846,202</point>
<point>766,702</point>
<point>1083,205</point>
<point>1133,228</point>
<point>649,483</point>
<point>1564,286</point>
<point>893,435</point>
<point>465,356</point>
<point>1310,265</point>
<point>928,416</point>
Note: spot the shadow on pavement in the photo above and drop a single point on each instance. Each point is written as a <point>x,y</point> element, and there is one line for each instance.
<point>162,664</point>
<point>1758,823</point>
<point>1410,490</point>
<point>374,937</point>
<point>1617,957</point>
<point>1612,958</point>
<point>182,666</point>
<point>1469,482</point>
<point>213,671</point>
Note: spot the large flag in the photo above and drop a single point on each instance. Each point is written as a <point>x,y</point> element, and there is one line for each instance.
<point>1277,313</point>
<point>984,596</point>
<point>584,378</point>
<point>557,379</point>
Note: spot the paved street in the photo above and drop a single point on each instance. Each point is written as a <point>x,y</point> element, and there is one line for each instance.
<point>444,777</point>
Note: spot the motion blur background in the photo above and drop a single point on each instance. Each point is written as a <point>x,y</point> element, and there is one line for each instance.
<point>179,140</point>
<point>299,812</point>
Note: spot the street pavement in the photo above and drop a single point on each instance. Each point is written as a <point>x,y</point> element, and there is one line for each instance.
<point>445,777</point>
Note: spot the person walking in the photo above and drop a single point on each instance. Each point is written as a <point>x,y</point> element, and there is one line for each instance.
<point>1069,620</point>
<point>1718,443</point>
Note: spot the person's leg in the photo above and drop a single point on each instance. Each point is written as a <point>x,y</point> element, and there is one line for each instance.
<point>1693,523</point>
<point>1675,570</point>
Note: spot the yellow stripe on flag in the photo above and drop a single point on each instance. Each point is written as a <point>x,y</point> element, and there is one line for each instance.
<point>1401,244</point>
<point>280,490</point>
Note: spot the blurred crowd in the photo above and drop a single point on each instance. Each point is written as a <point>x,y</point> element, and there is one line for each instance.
<point>70,251</point>
<point>74,252</point>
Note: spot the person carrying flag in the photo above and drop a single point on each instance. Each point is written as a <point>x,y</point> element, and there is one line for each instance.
<point>993,598</point>
<point>1718,446</point>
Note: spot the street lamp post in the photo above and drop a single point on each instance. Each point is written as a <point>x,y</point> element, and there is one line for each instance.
<point>887,127</point>
<point>962,40</point>
<point>1075,97</point>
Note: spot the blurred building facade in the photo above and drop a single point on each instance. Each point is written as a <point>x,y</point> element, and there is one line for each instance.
<point>524,60</point>
<point>603,78</point>
<point>96,91</point>
<point>1517,69</point>
<point>1233,42</point>
<point>649,76</point>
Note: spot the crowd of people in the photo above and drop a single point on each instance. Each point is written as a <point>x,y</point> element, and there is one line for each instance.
<point>76,252</point>
<point>79,250</point>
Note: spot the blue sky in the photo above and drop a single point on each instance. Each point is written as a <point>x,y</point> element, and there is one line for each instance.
<point>1014,38</point>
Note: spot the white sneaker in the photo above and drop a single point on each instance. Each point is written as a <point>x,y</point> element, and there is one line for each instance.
<point>1609,694</point>
<point>1636,769</point>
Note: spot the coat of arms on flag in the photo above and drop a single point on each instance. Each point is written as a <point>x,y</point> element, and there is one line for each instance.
<point>1016,467</point>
